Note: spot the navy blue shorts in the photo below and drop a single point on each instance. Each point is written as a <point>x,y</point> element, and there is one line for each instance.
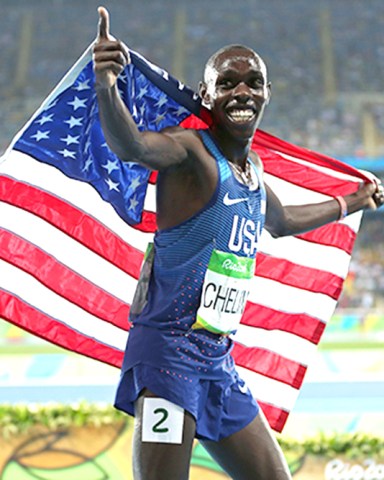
<point>220,407</point>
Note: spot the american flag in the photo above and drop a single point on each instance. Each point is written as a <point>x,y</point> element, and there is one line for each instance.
<point>75,222</point>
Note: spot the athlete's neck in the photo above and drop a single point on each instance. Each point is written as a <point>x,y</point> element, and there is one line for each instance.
<point>235,150</point>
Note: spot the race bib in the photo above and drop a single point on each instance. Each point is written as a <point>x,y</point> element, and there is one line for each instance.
<point>225,292</point>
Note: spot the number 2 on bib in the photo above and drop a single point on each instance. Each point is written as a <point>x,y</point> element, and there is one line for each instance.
<point>156,428</point>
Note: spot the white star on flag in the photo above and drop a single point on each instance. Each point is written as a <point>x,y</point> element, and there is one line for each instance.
<point>111,166</point>
<point>142,92</point>
<point>74,121</point>
<point>181,86</point>
<point>87,164</point>
<point>112,185</point>
<point>133,203</point>
<point>162,101</point>
<point>160,118</point>
<point>181,111</point>
<point>67,153</point>
<point>83,86</point>
<point>41,135</point>
<point>69,139</point>
<point>45,119</point>
<point>78,103</point>
<point>134,183</point>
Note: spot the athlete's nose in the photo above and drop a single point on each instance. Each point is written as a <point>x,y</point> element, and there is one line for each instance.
<point>242,92</point>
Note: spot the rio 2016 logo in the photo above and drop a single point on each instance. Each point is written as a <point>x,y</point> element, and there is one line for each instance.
<point>368,470</point>
<point>236,267</point>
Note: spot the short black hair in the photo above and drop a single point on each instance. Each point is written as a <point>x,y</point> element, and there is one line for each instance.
<point>212,59</point>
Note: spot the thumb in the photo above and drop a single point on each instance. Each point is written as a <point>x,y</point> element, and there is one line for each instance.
<point>103,27</point>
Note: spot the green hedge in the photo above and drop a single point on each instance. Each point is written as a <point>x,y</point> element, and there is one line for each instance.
<point>18,419</point>
<point>352,445</point>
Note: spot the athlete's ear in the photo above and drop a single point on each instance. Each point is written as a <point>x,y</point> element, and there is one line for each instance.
<point>203,93</point>
<point>202,89</point>
<point>269,88</point>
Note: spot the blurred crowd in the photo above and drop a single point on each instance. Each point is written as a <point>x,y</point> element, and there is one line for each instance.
<point>325,61</point>
<point>321,56</point>
<point>364,287</point>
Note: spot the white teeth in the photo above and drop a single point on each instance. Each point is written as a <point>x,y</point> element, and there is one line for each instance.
<point>241,115</point>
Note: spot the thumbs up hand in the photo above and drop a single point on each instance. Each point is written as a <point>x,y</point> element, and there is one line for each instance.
<point>110,56</point>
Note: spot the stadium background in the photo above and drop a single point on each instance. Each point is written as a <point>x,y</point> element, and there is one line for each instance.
<point>326,65</point>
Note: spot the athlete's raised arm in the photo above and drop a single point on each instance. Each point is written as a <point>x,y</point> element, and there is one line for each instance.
<point>295,219</point>
<point>154,150</point>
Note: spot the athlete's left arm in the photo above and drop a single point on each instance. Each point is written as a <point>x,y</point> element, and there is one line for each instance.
<point>286,220</point>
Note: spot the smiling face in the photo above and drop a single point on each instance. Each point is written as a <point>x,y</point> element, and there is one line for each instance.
<point>236,90</point>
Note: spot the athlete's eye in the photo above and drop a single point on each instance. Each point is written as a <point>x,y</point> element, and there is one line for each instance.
<point>257,82</point>
<point>225,83</point>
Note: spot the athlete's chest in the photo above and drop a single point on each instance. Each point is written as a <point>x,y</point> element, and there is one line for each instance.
<point>240,211</point>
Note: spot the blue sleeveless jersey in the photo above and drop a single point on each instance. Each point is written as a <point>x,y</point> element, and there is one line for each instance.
<point>231,222</point>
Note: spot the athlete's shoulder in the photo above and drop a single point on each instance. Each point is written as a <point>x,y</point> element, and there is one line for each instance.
<point>189,138</point>
<point>184,135</point>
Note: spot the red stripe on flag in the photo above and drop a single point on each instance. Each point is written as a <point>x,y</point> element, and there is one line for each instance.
<point>269,364</point>
<point>276,416</point>
<point>306,278</point>
<point>268,141</point>
<point>153,177</point>
<point>302,175</point>
<point>336,235</point>
<point>32,320</point>
<point>148,222</point>
<point>195,122</point>
<point>73,222</point>
<point>62,280</point>
<point>299,324</point>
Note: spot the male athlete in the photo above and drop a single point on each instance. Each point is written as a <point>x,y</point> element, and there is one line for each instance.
<point>178,377</point>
